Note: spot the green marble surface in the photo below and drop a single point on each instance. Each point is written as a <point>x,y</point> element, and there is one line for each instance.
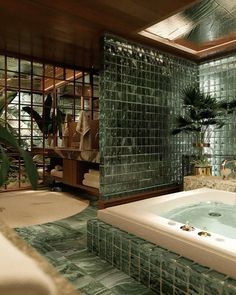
<point>161,270</point>
<point>64,244</point>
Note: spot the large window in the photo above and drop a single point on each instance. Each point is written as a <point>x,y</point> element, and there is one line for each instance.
<point>35,99</point>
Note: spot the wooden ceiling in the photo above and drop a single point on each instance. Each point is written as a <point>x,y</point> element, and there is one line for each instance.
<point>68,31</point>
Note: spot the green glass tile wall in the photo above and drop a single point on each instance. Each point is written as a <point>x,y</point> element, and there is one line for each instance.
<point>139,96</point>
<point>218,78</point>
<point>163,271</point>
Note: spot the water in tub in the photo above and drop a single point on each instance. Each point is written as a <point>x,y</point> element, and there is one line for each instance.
<point>214,217</point>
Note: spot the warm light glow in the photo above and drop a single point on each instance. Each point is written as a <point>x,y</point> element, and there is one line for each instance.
<point>219,45</point>
<point>173,31</point>
<point>184,48</point>
<point>62,82</point>
<point>172,28</point>
<point>166,41</point>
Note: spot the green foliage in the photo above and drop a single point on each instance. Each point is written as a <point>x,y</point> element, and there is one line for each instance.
<point>8,139</point>
<point>201,111</point>
<point>47,124</point>
<point>201,160</point>
<point>5,101</point>
<point>5,166</point>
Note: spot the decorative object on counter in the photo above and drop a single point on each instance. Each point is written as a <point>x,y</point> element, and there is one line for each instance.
<point>81,135</point>
<point>83,128</point>
<point>75,142</point>
<point>66,131</point>
<point>70,140</point>
<point>202,166</point>
<point>200,170</point>
<point>228,169</point>
<point>201,112</point>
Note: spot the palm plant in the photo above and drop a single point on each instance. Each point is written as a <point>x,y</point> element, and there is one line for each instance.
<point>201,112</point>
<point>47,123</point>
<point>7,139</point>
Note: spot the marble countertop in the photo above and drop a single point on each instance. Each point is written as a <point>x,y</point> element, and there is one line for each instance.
<point>63,286</point>
<point>215,182</point>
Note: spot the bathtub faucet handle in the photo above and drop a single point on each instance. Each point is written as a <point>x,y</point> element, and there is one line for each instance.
<point>187,227</point>
<point>204,233</point>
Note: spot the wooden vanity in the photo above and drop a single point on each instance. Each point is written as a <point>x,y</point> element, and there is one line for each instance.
<point>75,164</point>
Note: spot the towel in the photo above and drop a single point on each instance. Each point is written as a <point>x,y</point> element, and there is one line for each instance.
<point>94,172</point>
<point>20,275</point>
<point>57,173</point>
<point>94,184</point>
<point>83,128</point>
<point>58,168</point>
<point>68,119</point>
<point>83,124</point>
<point>92,177</point>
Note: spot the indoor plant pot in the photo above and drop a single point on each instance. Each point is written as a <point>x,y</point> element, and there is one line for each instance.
<point>200,112</point>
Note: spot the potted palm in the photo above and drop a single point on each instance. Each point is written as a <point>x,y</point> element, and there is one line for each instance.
<point>47,123</point>
<point>201,112</point>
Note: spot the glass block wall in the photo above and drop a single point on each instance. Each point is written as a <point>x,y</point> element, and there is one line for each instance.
<point>218,78</point>
<point>139,97</point>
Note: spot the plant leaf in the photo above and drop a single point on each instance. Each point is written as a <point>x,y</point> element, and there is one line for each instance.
<point>60,119</point>
<point>47,120</point>
<point>7,138</point>
<point>30,168</point>
<point>35,115</point>
<point>9,98</point>
<point>4,165</point>
<point>201,111</point>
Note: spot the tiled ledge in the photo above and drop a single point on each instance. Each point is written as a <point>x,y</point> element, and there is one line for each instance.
<point>163,271</point>
<point>215,182</point>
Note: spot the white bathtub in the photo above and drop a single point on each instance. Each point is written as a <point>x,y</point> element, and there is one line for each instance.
<point>141,218</point>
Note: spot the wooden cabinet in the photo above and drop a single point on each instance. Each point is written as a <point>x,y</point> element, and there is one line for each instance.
<point>74,167</point>
<point>70,171</point>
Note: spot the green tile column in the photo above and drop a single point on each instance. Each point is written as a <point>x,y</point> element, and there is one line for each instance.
<point>140,91</point>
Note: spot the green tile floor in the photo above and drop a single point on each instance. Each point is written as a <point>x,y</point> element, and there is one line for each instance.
<point>63,243</point>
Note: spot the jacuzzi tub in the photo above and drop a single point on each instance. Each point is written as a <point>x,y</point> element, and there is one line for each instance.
<point>143,219</point>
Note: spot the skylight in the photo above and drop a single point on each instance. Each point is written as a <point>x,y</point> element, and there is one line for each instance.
<point>171,28</point>
<point>208,26</point>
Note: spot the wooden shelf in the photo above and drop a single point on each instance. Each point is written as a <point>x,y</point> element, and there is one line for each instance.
<point>89,189</point>
<point>73,174</point>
